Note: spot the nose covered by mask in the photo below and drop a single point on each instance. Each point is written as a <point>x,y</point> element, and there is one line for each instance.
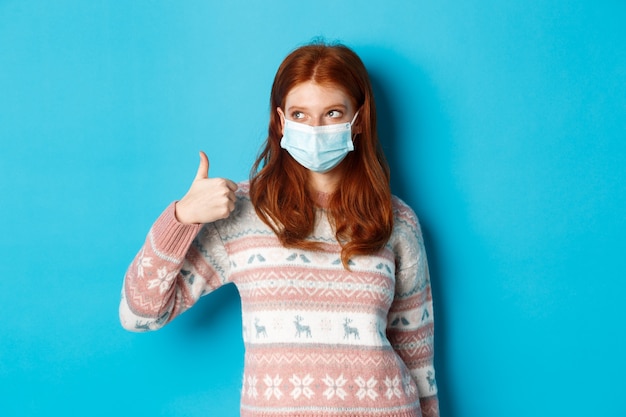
<point>318,148</point>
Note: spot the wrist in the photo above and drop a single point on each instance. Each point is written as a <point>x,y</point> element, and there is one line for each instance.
<point>181,215</point>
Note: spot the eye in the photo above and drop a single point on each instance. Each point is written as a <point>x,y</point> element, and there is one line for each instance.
<point>297,115</point>
<point>335,114</point>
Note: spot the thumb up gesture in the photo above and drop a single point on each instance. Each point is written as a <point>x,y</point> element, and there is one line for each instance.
<point>208,199</point>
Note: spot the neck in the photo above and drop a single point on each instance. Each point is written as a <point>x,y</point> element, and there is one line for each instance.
<point>327,182</point>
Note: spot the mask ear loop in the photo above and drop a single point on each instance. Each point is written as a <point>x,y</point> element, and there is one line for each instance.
<point>354,118</point>
<point>352,124</point>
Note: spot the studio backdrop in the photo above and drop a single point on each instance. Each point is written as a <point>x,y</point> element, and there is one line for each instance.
<point>505,127</point>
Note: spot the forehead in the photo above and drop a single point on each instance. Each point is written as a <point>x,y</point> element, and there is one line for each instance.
<point>312,95</point>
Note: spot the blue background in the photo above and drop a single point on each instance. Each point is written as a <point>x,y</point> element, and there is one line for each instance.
<point>504,123</point>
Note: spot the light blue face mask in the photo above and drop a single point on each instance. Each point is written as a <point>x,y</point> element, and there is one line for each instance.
<point>318,148</point>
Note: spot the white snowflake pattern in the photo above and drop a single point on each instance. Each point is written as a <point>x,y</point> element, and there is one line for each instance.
<point>273,387</point>
<point>251,391</point>
<point>366,388</point>
<point>393,387</point>
<point>409,386</point>
<point>335,387</point>
<point>144,262</point>
<point>301,386</point>
<point>163,281</point>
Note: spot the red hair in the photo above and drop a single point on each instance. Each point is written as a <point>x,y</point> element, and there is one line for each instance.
<point>360,208</point>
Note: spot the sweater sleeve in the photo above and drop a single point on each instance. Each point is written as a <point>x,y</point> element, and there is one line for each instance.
<point>170,272</point>
<point>410,327</point>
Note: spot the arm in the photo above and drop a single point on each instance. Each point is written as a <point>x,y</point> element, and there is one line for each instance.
<point>170,272</point>
<point>155,289</point>
<point>410,326</point>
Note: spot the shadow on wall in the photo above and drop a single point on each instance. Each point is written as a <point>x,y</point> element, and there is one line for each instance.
<point>406,102</point>
<point>215,317</point>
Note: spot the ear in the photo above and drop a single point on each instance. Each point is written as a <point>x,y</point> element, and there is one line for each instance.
<point>281,116</point>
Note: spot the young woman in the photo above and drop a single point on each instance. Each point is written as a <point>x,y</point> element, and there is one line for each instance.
<point>330,267</point>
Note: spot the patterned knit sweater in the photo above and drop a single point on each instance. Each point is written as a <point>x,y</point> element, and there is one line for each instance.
<point>319,340</point>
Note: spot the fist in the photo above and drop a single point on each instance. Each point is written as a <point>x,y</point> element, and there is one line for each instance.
<point>208,199</point>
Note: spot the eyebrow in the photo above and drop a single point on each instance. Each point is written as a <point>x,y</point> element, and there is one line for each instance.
<point>334,106</point>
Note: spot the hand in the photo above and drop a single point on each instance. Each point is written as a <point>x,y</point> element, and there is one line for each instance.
<point>208,199</point>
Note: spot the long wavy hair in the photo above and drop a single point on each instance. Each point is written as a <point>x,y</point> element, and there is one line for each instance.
<point>360,209</point>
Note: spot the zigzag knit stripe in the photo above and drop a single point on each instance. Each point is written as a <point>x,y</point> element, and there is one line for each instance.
<point>312,411</point>
<point>312,356</point>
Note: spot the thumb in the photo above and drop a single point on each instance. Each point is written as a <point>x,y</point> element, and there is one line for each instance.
<point>203,169</point>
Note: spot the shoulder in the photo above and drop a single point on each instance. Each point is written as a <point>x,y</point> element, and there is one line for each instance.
<point>243,190</point>
<point>403,214</point>
<point>406,239</point>
<point>243,195</point>
<point>243,204</point>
